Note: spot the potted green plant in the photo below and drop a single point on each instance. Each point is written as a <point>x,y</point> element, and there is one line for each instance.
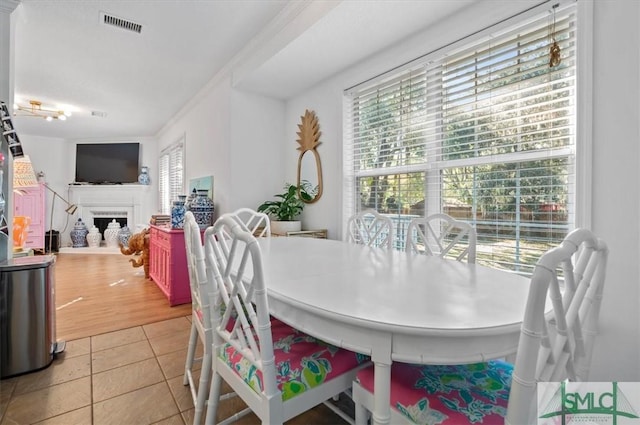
<point>284,211</point>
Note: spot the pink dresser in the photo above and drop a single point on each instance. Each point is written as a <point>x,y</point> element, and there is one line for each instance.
<point>168,264</point>
<point>31,203</point>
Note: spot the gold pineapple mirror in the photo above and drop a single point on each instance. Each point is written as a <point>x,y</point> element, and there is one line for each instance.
<point>309,168</point>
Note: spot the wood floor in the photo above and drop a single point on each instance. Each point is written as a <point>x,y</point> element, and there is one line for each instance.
<point>99,293</point>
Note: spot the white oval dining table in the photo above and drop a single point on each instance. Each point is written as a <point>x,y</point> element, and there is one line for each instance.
<point>392,305</point>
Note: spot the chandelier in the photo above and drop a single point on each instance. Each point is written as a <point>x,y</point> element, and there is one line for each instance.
<point>35,109</point>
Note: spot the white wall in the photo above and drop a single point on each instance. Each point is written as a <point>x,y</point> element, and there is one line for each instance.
<point>615,211</point>
<point>6,52</point>
<point>257,134</point>
<point>235,137</point>
<point>206,130</point>
<point>616,184</point>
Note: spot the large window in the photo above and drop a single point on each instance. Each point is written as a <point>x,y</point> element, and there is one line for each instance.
<point>171,179</point>
<point>485,133</point>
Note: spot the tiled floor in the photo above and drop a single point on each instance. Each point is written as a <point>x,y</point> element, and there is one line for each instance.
<point>133,376</point>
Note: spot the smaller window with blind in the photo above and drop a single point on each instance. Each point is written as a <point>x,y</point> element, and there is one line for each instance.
<point>485,133</point>
<point>171,178</point>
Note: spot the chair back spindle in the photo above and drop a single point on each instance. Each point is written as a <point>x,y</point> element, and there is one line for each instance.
<point>443,236</point>
<point>252,221</point>
<point>201,329</point>
<point>556,341</point>
<point>277,370</point>
<point>370,228</point>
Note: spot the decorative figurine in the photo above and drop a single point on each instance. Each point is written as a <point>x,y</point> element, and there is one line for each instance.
<point>112,234</point>
<point>138,245</point>
<point>143,178</point>
<point>94,237</point>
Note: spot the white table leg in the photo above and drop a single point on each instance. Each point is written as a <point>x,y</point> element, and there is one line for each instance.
<point>382,394</point>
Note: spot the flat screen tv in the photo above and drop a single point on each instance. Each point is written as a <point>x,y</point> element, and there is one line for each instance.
<point>107,163</point>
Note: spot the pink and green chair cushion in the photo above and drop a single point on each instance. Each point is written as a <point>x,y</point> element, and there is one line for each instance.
<point>438,395</point>
<point>302,362</point>
<point>197,309</point>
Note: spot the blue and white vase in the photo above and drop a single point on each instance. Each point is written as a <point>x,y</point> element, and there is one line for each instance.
<point>202,209</point>
<point>143,178</point>
<point>124,235</point>
<point>193,195</point>
<point>177,213</point>
<point>79,234</point>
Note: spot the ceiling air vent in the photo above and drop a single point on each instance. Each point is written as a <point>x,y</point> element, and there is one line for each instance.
<point>107,19</point>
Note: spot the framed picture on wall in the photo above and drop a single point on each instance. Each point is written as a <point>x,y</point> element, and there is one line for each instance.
<point>202,183</point>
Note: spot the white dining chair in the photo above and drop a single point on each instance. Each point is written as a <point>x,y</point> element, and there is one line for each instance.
<point>555,344</point>
<point>277,370</point>
<point>370,228</point>
<point>442,235</point>
<point>200,320</point>
<point>253,221</point>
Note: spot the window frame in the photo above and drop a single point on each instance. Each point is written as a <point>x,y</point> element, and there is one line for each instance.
<point>581,214</point>
<point>174,188</point>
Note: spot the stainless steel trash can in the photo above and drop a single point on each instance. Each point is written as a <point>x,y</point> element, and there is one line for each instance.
<point>27,314</point>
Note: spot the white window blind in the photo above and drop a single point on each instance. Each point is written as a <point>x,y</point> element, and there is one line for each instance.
<point>485,133</point>
<point>171,182</point>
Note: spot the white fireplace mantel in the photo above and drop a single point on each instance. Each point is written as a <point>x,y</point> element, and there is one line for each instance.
<point>130,200</point>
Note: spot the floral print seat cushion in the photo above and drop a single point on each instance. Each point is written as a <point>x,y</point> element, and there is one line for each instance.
<point>462,394</point>
<point>302,362</point>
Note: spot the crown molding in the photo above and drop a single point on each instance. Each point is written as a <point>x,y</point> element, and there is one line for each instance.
<point>290,24</point>
<point>8,6</point>
<point>293,20</point>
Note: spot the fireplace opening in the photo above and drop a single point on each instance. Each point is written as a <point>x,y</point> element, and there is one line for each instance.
<point>102,222</point>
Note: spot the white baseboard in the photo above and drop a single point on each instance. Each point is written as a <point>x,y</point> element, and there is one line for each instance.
<point>87,250</point>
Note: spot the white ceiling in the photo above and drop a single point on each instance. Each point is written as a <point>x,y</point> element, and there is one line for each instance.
<point>66,57</point>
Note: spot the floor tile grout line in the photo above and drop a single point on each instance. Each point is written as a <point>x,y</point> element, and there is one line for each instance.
<point>15,396</point>
<point>13,390</point>
<point>145,333</point>
<point>91,404</point>
<point>119,345</point>
<point>165,380</point>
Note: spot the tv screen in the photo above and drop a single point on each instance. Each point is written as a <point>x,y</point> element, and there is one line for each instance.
<point>107,163</point>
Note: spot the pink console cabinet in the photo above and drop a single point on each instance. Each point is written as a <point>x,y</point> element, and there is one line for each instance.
<point>30,202</point>
<point>168,264</point>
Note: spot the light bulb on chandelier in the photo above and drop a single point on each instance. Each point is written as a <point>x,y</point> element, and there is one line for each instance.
<point>35,109</point>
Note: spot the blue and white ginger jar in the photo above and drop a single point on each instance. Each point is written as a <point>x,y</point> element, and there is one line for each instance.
<point>79,234</point>
<point>202,209</point>
<point>143,178</point>
<point>178,211</point>
<point>124,235</point>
